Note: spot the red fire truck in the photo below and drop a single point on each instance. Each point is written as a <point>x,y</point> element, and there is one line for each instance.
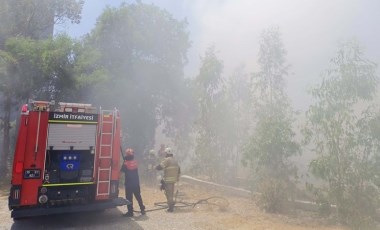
<point>67,159</point>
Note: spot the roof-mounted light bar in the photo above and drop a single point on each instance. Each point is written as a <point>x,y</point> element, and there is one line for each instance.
<point>76,107</point>
<point>40,105</point>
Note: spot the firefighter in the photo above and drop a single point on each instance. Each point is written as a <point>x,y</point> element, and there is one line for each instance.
<point>161,153</point>
<point>150,163</point>
<point>132,182</point>
<point>171,176</point>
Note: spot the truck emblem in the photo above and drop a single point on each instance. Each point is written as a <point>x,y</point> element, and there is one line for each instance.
<point>70,166</point>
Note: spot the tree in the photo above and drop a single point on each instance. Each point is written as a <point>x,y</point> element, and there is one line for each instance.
<point>272,144</point>
<point>214,124</point>
<point>5,58</point>
<point>179,126</point>
<point>144,51</point>
<point>342,128</point>
<point>238,97</point>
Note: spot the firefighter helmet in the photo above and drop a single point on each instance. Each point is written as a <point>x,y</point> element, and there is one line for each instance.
<point>129,152</point>
<point>168,150</point>
<point>152,152</point>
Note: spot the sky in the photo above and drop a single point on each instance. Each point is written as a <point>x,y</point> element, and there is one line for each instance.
<point>311,31</point>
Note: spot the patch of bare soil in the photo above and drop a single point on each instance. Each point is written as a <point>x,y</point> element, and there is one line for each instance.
<point>4,190</point>
<point>215,210</point>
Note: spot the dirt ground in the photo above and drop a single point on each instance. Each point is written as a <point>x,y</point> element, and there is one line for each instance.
<point>213,210</point>
<point>226,212</point>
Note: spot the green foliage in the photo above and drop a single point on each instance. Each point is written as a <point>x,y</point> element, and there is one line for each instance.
<point>321,199</point>
<point>208,89</point>
<point>239,117</point>
<point>273,198</point>
<point>36,18</point>
<point>214,126</point>
<point>272,143</point>
<point>42,69</point>
<point>88,72</point>
<point>342,128</point>
<point>33,66</point>
<point>270,82</point>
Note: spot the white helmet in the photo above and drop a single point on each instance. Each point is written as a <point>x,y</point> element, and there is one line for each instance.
<point>168,150</point>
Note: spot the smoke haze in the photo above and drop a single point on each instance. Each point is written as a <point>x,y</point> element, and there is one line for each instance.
<point>311,31</point>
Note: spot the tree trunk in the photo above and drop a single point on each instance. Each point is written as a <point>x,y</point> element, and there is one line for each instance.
<point>4,160</point>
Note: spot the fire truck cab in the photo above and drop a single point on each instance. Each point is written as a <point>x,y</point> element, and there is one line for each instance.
<point>66,159</point>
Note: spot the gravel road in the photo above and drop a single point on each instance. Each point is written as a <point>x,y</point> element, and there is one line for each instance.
<point>220,213</point>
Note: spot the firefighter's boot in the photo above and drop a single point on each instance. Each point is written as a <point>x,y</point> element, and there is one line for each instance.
<point>171,208</point>
<point>128,214</point>
<point>142,209</point>
<point>130,211</point>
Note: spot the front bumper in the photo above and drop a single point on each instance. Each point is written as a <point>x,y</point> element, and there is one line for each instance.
<point>42,211</point>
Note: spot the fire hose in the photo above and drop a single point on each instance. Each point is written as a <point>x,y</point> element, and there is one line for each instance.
<point>218,201</point>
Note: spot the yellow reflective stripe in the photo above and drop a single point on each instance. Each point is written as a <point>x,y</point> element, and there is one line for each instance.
<point>171,172</point>
<point>171,179</point>
<point>67,184</point>
<point>172,167</point>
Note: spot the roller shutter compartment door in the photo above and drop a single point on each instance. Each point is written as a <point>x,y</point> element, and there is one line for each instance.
<point>77,136</point>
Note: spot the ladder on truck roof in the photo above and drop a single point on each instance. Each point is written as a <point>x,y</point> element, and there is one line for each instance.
<point>106,139</point>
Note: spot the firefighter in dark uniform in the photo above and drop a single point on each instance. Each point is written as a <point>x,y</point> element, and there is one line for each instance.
<point>132,182</point>
<point>171,176</point>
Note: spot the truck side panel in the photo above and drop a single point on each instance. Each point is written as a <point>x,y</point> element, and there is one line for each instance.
<point>18,160</point>
<point>34,157</point>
